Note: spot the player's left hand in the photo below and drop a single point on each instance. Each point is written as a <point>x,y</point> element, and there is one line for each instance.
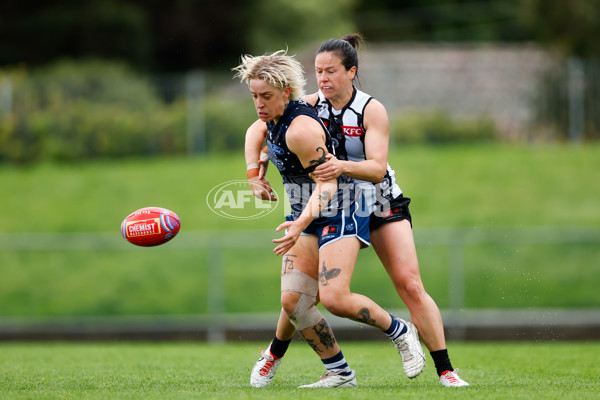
<point>331,169</point>
<point>289,240</point>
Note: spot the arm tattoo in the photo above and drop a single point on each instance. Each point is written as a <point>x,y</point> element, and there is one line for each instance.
<point>325,275</point>
<point>323,198</point>
<point>319,160</point>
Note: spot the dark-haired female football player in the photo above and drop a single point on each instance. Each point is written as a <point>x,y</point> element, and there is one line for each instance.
<point>359,127</point>
<point>324,231</point>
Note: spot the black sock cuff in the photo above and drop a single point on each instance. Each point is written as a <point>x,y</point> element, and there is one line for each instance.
<point>441,361</point>
<point>279,347</point>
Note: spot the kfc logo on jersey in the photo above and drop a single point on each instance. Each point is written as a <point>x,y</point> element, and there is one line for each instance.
<point>353,130</point>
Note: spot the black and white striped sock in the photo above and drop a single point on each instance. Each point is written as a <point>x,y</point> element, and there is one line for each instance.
<point>337,363</point>
<point>397,328</point>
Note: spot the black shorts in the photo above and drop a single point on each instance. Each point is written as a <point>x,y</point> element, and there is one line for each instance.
<point>397,211</point>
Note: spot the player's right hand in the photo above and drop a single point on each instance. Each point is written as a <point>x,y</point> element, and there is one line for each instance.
<point>261,188</point>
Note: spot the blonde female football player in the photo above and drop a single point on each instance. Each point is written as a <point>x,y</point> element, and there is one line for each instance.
<point>324,232</point>
<point>359,128</point>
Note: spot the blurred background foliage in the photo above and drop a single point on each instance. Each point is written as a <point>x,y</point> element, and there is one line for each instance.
<point>160,36</point>
<point>107,78</point>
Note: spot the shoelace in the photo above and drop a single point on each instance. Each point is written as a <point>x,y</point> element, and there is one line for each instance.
<point>451,376</point>
<point>327,374</point>
<point>268,364</point>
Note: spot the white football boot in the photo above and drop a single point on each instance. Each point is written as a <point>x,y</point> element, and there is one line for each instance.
<point>451,379</point>
<point>264,369</point>
<point>411,351</point>
<point>333,379</point>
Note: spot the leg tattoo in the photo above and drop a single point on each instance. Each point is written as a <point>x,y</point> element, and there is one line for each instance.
<point>365,316</point>
<point>325,275</point>
<point>312,344</point>
<point>319,337</point>
<point>288,264</point>
<point>325,334</point>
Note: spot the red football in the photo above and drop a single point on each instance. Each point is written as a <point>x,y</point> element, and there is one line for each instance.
<point>150,226</point>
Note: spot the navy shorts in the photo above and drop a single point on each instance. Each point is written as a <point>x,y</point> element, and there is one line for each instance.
<point>397,210</point>
<point>346,223</point>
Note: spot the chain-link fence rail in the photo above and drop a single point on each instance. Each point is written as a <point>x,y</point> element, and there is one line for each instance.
<point>463,321</point>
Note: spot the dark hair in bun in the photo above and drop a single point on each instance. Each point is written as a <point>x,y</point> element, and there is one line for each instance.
<point>345,48</point>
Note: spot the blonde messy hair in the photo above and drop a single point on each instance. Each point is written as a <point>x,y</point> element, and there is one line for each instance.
<point>277,69</point>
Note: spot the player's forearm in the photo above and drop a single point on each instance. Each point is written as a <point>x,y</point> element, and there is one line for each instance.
<point>253,143</point>
<point>367,170</point>
<point>252,149</point>
<point>318,201</point>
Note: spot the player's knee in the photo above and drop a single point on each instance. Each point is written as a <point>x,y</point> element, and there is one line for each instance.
<point>411,288</point>
<point>335,304</point>
<point>289,301</point>
<point>298,299</point>
<point>305,315</point>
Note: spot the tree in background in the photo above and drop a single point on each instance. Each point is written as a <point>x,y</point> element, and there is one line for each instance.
<point>440,20</point>
<point>572,26</point>
<point>273,24</point>
<point>164,36</point>
<point>36,32</point>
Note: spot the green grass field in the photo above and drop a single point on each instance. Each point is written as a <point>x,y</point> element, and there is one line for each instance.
<point>489,187</point>
<point>483,185</point>
<point>193,371</point>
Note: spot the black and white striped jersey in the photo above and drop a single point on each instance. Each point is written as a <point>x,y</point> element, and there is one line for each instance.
<point>348,137</point>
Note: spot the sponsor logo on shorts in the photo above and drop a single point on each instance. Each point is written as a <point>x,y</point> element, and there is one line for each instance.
<point>390,212</point>
<point>330,230</point>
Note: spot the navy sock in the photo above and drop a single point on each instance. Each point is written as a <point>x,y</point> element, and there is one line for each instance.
<point>279,347</point>
<point>441,361</point>
<point>337,363</point>
<point>397,328</point>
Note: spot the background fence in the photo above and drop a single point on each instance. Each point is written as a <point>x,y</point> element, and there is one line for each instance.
<point>462,321</point>
<point>433,93</point>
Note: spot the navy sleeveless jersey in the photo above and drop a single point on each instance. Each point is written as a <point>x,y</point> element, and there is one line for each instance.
<point>298,185</point>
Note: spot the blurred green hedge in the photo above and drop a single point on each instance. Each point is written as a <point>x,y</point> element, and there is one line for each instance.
<point>436,127</point>
<point>77,110</point>
<point>91,109</point>
<point>100,109</point>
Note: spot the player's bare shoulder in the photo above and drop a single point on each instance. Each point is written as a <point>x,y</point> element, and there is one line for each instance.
<point>375,109</point>
<point>304,128</point>
<point>311,99</point>
<point>304,136</point>
<point>376,116</point>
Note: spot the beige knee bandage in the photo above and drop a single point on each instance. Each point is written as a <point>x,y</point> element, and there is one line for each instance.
<point>305,313</point>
